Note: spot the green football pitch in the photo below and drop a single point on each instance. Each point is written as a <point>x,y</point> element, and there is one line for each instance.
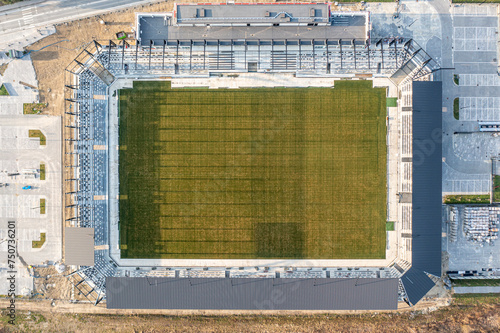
<point>254,173</point>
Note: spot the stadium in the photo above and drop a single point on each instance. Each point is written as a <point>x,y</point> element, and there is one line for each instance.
<point>253,156</point>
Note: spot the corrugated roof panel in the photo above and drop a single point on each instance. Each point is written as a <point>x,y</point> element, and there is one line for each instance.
<point>79,246</point>
<point>417,284</point>
<point>427,176</point>
<point>251,294</point>
<point>427,189</point>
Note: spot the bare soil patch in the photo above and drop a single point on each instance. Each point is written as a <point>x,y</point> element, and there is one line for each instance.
<point>471,314</point>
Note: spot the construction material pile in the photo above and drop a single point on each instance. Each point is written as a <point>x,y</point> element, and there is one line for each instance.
<point>481,224</point>
<point>453,231</point>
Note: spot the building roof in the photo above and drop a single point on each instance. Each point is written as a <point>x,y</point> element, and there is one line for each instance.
<point>416,284</point>
<point>281,33</point>
<point>79,246</point>
<point>251,293</point>
<point>251,22</point>
<point>251,13</point>
<point>427,192</point>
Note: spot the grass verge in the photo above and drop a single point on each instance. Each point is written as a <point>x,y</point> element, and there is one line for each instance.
<point>467,313</point>
<point>456,108</point>
<point>476,283</point>
<point>3,91</point>
<point>39,244</point>
<point>34,108</point>
<point>476,299</point>
<point>38,134</point>
<point>42,171</point>
<point>3,68</point>
<point>8,2</point>
<point>496,188</point>
<point>392,102</point>
<point>467,199</point>
<point>456,79</point>
<point>42,206</point>
<point>389,226</point>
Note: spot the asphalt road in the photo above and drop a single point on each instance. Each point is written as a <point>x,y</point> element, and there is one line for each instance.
<point>39,14</point>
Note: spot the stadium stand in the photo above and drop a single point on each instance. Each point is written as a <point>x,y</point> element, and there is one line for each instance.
<point>162,52</point>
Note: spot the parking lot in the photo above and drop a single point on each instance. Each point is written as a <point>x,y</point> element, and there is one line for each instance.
<point>468,10</point>
<point>475,146</point>
<point>479,80</point>
<point>467,154</point>
<point>469,186</point>
<point>20,157</point>
<point>479,108</point>
<point>468,182</point>
<point>475,39</point>
<point>20,160</point>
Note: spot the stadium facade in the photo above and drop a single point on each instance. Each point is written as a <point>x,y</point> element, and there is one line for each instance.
<point>202,41</point>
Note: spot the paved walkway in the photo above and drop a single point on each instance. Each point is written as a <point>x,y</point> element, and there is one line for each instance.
<point>17,70</point>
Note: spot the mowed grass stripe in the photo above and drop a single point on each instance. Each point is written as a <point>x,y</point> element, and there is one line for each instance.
<point>252,173</point>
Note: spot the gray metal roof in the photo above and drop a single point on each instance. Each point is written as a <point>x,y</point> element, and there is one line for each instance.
<point>160,27</point>
<point>79,246</point>
<point>153,28</point>
<point>251,13</point>
<point>427,192</point>
<point>251,293</point>
<point>417,284</point>
<point>266,33</point>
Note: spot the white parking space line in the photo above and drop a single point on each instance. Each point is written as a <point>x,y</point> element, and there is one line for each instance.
<point>26,206</point>
<point>475,10</point>
<point>20,154</point>
<point>475,39</point>
<point>25,237</point>
<point>18,166</point>
<point>10,108</point>
<point>17,138</point>
<point>479,108</point>
<point>468,186</point>
<point>479,80</point>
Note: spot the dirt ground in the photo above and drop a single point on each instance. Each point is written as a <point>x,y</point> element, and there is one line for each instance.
<point>466,314</point>
<point>52,285</point>
<point>50,61</point>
